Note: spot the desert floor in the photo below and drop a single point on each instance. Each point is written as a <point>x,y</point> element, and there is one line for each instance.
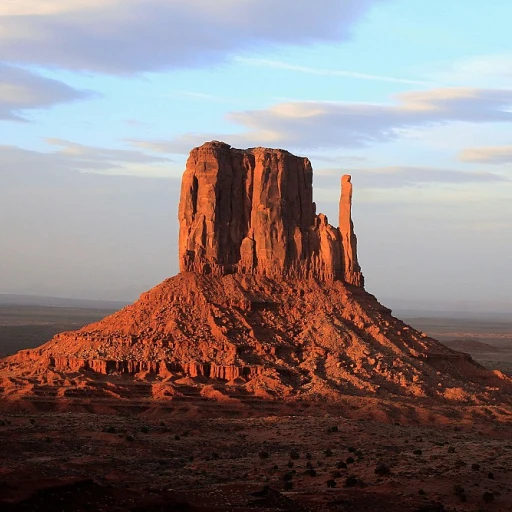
<point>356,456</point>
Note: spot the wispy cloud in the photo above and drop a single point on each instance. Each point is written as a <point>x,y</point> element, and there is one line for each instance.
<point>277,64</point>
<point>489,155</point>
<point>22,90</point>
<point>65,157</point>
<point>315,125</point>
<point>132,36</point>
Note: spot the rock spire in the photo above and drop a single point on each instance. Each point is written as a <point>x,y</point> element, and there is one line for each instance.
<point>252,212</point>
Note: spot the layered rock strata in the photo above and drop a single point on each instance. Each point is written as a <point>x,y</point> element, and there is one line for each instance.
<point>269,303</point>
<point>252,211</point>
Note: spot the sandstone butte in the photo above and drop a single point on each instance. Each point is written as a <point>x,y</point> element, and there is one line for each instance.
<point>269,303</point>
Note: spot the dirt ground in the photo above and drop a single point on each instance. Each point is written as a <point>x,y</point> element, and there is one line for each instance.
<point>176,459</point>
<point>206,456</point>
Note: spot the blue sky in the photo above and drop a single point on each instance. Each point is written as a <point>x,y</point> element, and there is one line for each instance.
<point>101,101</point>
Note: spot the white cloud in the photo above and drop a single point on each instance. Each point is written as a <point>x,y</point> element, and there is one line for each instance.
<point>329,125</point>
<point>130,36</point>
<point>71,157</point>
<point>22,90</point>
<point>407,176</point>
<point>276,64</point>
<point>490,155</point>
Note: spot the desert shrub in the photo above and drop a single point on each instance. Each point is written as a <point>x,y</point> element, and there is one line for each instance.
<point>488,497</point>
<point>335,474</point>
<point>328,452</point>
<point>421,492</point>
<point>263,454</point>
<point>417,452</point>
<point>311,472</point>
<point>341,465</point>
<point>451,449</point>
<point>351,449</point>
<point>490,475</point>
<point>309,456</point>
<point>109,430</point>
<point>350,460</point>
<point>382,470</point>
<point>331,483</point>
<point>333,429</point>
<point>458,489</point>
<point>288,476</point>
<point>290,464</point>
<point>177,438</point>
<point>350,481</point>
<point>144,429</point>
<point>288,486</point>
<point>294,455</point>
<point>475,467</point>
<point>129,438</point>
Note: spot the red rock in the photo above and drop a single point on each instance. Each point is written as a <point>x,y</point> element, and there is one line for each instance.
<point>269,303</point>
<point>252,211</point>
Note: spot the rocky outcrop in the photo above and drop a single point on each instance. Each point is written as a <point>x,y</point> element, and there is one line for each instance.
<point>351,270</point>
<point>270,303</point>
<point>252,211</point>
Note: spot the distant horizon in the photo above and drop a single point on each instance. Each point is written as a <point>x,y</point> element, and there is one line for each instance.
<point>464,309</point>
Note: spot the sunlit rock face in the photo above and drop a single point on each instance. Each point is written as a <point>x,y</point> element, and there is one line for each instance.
<point>252,211</point>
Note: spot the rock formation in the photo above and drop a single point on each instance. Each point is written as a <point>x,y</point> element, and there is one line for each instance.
<point>252,212</point>
<point>269,303</point>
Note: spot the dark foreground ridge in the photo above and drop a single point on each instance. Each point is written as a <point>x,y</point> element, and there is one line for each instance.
<point>269,303</point>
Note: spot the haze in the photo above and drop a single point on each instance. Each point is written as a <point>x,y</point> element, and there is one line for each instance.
<point>100,103</point>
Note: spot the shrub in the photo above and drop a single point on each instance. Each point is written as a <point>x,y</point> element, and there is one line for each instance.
<point>294,455</point>
<point>263,454</point>
<point>382,470</point>
<point>488,497</point>
<point>331,483</point>
<point>417,452</point>
<point>351,481</point>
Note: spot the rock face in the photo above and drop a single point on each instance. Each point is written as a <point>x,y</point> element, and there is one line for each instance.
<point>269,303</point>
<point>252,211</point>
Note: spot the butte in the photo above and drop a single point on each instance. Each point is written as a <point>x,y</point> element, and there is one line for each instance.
<point>269,305</point>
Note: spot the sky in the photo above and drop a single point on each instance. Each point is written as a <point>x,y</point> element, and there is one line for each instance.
<point>102,100</point>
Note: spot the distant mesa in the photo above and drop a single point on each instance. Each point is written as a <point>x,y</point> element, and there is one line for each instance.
<point>269,304</point>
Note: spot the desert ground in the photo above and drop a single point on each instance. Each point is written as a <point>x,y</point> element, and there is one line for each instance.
<point>195,454</point>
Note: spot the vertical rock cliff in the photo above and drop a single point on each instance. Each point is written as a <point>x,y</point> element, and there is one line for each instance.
<point>252,211</point>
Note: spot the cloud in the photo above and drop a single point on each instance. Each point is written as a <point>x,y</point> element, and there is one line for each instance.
<point>276,64</point>
<point>22,90</point>
<point>328,125</point>
<point>481,70</point>
<point>71,157</point>
<point>407,176</point>
<point>488,155</point>
<point>131,36</point>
